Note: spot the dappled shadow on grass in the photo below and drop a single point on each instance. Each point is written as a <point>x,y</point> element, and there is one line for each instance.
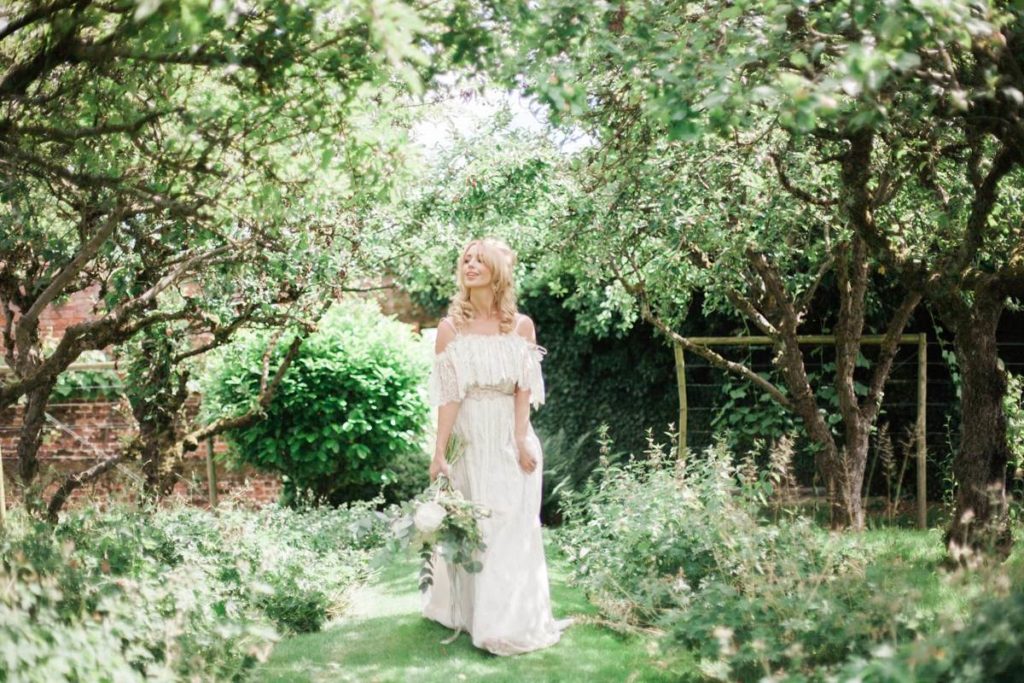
<point>408,648</point>
<point>397,577</point>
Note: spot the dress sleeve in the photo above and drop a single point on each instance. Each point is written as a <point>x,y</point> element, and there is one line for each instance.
<point>443,385</point>
<point>530,376</point>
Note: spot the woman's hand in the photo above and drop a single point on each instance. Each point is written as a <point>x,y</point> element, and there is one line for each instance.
<point>527,458</point>
<point>439,466</point>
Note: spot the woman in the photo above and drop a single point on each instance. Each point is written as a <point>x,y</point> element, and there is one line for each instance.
<point>486,376</point>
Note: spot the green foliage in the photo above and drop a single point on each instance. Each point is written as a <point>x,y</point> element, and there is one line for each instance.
<point>989,647</point>
<point>743,149</point>
<point>175,594</point>
<point>807,63</point>
<point>746,414</point>
<point>292,607</point>
<point>348,413</point>
<point>229,145</point>
<point>88,385</point>
<point>681,545</point>
<point>1013,405</point>
<point>493,179</point>
<point>625,380</point>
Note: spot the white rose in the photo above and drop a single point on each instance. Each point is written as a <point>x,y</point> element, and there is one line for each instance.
<point>428,517</point>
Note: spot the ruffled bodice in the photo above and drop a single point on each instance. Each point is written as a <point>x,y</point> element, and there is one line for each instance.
<point>486,364</point>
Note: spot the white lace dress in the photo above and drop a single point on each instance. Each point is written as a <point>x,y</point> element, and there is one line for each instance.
<point>506,608</point>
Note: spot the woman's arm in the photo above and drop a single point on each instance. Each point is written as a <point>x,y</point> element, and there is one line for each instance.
<point>446,413</point>
<point>527,459</point>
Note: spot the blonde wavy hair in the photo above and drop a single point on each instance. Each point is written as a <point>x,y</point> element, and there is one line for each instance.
<point>500,258</point>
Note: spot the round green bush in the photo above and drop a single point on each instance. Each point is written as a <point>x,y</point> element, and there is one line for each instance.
<point>349,415</point>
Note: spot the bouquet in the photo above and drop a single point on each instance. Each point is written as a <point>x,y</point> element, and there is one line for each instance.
<point>441,518</point>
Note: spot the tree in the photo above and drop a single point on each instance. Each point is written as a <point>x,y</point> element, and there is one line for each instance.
<point>149,146</point>
<point>674,218</point>
<point>915,107</point>
<point>746,219</point>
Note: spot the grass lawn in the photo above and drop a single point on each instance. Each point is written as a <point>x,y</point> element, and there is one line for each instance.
<point>384,638</point>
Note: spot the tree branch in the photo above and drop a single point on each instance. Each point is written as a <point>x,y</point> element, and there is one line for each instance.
<point>268,385</point>
<point>887,354</point>
<point>747,307</point>
<point>221,335</point>
<point>852,276</point>
<point>266,395</point>
<point>699,258</point>
<point>802,195</point>
<point>714,358</point>
<point>20,76</point>
<point>74,266</point>
<point>99,54</point>
<point>803,304</point>
<point>855,172</point>
<point>74,134</point>
<point>772,279</point>
<point>36,14</point>
<point>76,339</point>
<point>985,197</point>
<point>719,361</point>
<point>76,481</point>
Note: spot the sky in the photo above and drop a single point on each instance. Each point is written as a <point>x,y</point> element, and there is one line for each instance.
<point>462,111</point>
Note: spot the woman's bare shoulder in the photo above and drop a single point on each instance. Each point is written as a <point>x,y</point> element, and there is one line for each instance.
<point>525,328</point>
<point>445,334</point>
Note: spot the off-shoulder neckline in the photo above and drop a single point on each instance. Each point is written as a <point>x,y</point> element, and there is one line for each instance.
<point>499,335</point>
<point>480,335</point>
<point>492,334</point>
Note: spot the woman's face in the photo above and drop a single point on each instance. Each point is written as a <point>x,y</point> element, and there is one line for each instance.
<point>475,273</point>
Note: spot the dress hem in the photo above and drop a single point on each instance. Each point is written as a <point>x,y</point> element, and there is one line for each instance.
<point>503,648</point>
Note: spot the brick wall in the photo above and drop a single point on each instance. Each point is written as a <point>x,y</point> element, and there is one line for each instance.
<point>54,320</point>
<point>82,434</point>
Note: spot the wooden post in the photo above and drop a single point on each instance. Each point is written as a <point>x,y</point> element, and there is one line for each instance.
<point>211,473</point>
<point>921,429</point>
<point>3,493</point>
<point>681,386</point>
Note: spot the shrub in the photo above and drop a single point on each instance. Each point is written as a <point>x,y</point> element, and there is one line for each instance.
<point>681,546</point>
<point>177,594</point>
<point>348,415</point>
<point>989,648</point>
<point>292,607</point>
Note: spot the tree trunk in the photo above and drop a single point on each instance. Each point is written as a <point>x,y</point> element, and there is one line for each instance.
<point>980,522</point>
<point>854,464</point>
<point>31,435</point>
<point>161,464</point>
<point>828,460</point>
<point>75,481</point>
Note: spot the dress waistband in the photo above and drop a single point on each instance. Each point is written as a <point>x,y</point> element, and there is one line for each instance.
<point>488,392</point>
